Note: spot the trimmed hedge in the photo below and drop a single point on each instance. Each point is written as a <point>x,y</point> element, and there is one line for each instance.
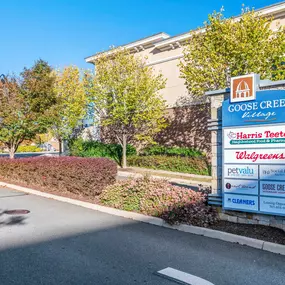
<point>28,148</point>
<point>81,176</point>
<point>172,151</point>
<point>161,199</point>
<point>97,149</point>
<point>192,165</point>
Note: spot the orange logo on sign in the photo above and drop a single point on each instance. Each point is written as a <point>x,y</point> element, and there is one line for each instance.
<point>243,88</point>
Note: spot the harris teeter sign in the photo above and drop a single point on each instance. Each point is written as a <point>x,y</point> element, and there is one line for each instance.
<point>254,148</point>
<point>264,136</point>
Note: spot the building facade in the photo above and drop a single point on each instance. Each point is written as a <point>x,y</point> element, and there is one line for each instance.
<point>188,125</point>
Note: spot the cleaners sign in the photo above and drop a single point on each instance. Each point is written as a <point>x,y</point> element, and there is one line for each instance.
<point>254,148</point>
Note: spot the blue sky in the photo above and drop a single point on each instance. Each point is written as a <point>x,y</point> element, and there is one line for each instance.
<point>64,32</point>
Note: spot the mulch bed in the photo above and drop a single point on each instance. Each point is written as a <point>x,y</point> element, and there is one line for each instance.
<point>265,233</point>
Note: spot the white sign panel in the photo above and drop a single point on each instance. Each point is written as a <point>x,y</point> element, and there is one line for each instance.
<point>241,186</point>
<point>241,171</point>
<point>272,205</point>
<point>272,188</point>
<point>256,156</point>
<point>255,137</point>
<point>272,172</point>
<point>240,202</point>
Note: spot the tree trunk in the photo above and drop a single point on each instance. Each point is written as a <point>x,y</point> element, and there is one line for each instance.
<point>60,146</point>
<point>12,151</point>
<point>124,151</point>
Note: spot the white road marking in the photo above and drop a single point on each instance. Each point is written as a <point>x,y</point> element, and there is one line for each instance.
<point>183,277</point>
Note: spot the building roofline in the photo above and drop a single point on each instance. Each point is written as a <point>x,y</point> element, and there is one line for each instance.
<point>141,44</point>
<point>163,41</point>
<point>269,10</point>
<point>272,8</point>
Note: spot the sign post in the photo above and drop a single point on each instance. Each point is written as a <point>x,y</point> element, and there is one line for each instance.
<point>254,148</point>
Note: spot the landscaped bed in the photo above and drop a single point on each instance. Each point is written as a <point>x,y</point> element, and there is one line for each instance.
<point>159,198</point>
<point>183,164</point>
<point>176,159</point>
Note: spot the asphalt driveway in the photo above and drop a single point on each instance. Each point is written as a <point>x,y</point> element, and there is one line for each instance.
<point>58,243</point>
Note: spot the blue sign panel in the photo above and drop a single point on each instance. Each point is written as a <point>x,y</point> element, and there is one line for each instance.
<point>253,154</point>
<point>268,108</point>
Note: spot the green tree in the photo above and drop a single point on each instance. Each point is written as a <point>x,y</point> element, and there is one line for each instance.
<point>71,104</point>
<point>25,104</point>
<point>232,47</point>
<point>126,97</point>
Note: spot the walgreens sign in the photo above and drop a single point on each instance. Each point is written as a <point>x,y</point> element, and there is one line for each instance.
<point>258,156</point>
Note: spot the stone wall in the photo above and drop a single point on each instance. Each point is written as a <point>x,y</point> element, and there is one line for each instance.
<point>253,219</point>
<point>215,126</point>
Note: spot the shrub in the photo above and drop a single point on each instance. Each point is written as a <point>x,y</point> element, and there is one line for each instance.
<point>172,151</point>
<point>81,176</point>
<point>193,165</point>
<point>161,199</point>
<point>28,148</point>
<point>97,149</point>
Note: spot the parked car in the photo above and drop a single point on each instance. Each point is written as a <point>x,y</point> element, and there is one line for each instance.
<point>47,147</point>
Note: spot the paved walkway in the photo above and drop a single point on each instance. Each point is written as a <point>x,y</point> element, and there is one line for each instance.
<point>192,184</point>
<point>58,243</point>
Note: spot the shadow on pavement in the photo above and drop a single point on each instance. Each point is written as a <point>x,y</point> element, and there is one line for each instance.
<point>7,220</point>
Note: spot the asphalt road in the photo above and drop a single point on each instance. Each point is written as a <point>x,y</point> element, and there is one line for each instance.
<point>58,243</point>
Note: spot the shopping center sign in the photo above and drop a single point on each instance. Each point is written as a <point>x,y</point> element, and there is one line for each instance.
<point>254,148</point>
<point>269,107</point>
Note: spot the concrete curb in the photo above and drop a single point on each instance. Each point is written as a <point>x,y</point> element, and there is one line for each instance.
<point>255,243</point>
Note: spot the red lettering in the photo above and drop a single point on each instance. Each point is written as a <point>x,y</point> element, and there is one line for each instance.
<point>239,136</point>
<point>255,156</point>
<point>267,134</point>
<point>275,156</point>
<point>239,155</point>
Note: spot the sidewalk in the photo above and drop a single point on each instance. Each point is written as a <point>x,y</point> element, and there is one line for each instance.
<point>181,179</point>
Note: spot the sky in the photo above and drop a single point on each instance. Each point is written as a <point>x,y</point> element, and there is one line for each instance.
<point>64,32</point>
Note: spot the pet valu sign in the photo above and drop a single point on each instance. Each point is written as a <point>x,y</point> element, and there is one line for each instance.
<point>254,148</point>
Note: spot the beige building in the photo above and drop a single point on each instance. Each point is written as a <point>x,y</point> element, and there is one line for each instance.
<point>164,53</point>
